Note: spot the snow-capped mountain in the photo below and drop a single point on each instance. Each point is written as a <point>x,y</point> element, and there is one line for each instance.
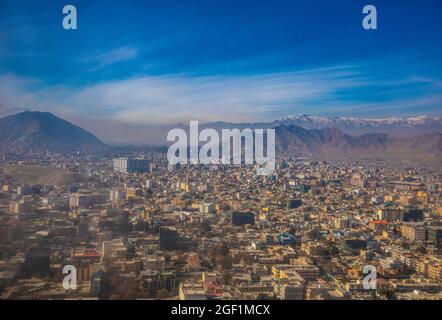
<point>392,125</point>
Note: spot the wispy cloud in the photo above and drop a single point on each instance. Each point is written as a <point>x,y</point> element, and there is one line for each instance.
<point>180,97</point>
<point>430,102</point>
<point>111,57</point>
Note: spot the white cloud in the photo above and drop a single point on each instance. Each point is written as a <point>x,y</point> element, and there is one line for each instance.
<point>111,57</point>
<point>180,98</point>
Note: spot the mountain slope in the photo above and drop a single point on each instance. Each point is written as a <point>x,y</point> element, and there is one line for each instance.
<point>394,126</point>
<point>42,131</point>
<point>333,144</point>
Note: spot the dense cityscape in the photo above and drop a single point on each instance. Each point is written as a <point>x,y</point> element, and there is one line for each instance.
<point>135,227</point>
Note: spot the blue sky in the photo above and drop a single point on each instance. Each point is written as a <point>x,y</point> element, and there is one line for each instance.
<point>144,62</point>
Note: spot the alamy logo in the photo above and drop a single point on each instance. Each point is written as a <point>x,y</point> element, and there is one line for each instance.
<point>208,153</point>
<point>369,281</point>
<point>70,20</point>
<point>370,21</point>
<point>70,281</point>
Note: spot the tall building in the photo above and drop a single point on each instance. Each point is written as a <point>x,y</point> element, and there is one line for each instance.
<point>37,262</point>
<point>413,215</point>
<point>117,194</point>
<point>20,206</point>
<point>133,193</point>
<point>294,203</point>
<point>83,228</point>
<point>430,268</point>
<point>342,223</point>
<point>294,290</point>
<point>10,230</point>
<point>97,281</point>
<point>304,188</point>
<point>79,200</point>
<point>414,231</point>
<point>130,165</point>
<point>406,215</point>
<point>168,238</point>
<point>358,181</point>
<point>435,235</point>
<point>207,208</point>
<point>153,281</point>
<point>24,190</point>
<point>241,218</point>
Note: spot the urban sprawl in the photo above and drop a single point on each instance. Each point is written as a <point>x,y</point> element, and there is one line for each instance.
<point>136,227</point>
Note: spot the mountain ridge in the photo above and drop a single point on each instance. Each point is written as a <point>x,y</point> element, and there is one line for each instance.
<point>33,131</point>
<point>29,132</point>
<point>395,126</point>
<point>332,143</point>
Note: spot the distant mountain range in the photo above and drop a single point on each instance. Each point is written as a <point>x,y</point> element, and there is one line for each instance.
<point>29,132</point>
<point>42,131</point>
<point>333,144</point>
<point>155,133</point>
<point>416,139</point>
<point>394,126</point>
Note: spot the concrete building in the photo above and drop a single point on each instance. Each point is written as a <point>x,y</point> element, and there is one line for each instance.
<point>130,165</point>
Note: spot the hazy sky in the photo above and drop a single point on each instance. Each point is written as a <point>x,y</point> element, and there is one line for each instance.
<point>143,62</point>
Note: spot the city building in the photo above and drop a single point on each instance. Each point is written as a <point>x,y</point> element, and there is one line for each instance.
<point>130,165</point>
